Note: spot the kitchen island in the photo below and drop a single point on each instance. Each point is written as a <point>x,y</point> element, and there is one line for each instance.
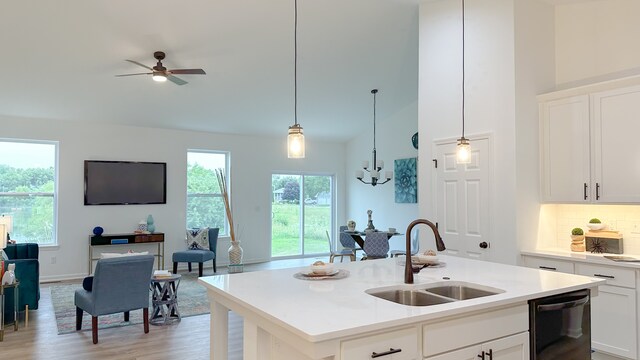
<point>288,318</point>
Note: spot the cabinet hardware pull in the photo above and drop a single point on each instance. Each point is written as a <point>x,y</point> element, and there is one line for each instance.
<point>481,356</point>
<point>490,354</point>
<point>605,276</point>
<point>585,191</point>
<point>391,351</point>
<point>547,268</point>
<point>597,191</point>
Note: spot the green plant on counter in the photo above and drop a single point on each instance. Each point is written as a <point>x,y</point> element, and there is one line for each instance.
<point>595,221</point>
<point>577,231</point>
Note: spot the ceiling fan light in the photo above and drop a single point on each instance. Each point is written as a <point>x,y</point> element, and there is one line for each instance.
<point>295,142</point>
<point>463,151</point>
<point>159,77</point>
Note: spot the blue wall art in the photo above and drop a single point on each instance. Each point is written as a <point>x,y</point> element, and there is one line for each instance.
<point>406,180</point>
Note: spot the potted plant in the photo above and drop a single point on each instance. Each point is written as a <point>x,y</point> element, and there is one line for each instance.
<point>577,234</point>
<point>595,224</point>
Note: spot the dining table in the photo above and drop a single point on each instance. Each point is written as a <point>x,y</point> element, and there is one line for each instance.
<point>358,236</point>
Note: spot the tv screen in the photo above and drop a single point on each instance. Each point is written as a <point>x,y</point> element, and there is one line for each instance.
<point>124,182</point>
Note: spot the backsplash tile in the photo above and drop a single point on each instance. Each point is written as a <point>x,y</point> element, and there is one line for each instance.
<point>565,217</point>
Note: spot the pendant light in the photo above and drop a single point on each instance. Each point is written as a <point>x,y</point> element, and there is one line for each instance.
<point>377,165</point>
<point>463,150</point>
<point>295,139</point>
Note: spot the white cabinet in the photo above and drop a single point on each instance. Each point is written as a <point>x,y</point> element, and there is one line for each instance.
<point>587,143</point>
<point>390,345</point>
<point>564,133</point>
<point>613,311</point>
<point>515,347</point>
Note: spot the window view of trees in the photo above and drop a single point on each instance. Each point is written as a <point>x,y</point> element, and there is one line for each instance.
<point>299,227</point>
<point>205,207</point>
<point>27,190</point>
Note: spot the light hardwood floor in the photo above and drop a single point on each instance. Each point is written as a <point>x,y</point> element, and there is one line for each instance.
<point>188,339</point>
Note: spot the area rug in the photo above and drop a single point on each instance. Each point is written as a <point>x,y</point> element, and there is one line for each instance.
<point>192,300</point>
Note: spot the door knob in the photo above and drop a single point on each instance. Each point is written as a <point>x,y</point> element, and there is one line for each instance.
<point>483,245</point>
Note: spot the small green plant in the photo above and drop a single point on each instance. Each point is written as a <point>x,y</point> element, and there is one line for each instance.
<point>595,221</point>
<point>577,231</point>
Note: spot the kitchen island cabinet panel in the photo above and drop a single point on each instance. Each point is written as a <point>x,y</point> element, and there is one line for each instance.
<point>515,347</point>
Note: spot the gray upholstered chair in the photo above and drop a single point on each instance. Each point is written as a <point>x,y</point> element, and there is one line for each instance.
<point>120,284</point>
<point>341,253</point>
<point>199,256</point>
<point>376,245</point>
<point>347,240</point>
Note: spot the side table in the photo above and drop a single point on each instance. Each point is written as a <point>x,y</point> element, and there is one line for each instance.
<point>165,299</point>
<point>15,307</point>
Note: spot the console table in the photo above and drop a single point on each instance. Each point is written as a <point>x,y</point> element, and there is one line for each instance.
<point>15,306</point>
<point>127,239</point>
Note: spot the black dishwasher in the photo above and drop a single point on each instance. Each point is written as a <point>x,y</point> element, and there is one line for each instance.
<point>560,326</point>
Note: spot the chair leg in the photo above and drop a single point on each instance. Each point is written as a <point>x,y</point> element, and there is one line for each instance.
<point>199,269</point>
<point>94,329</point>
<point>331,257</point>
<point>126,316</point>
<point>175,267</point>
<point>78,318</point>
<point>214,265</point>
<point>189,267</point>
<point>145,316</point>
<point>352,257</point>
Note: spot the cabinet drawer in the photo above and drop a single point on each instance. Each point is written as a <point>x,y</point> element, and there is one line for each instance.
<point>615,276</point>
<point>548,264</point>
<point>456,333</point>
<point>389,342</point>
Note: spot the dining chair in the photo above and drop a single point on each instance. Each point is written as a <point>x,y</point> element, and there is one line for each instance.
<point>342,253</point>
<point>415,246</point>
<point>376,245</point>
<point>347,241</point>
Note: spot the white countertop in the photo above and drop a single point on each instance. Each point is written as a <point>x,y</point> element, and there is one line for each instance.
<point>322,310</point>
<point>583,256</point>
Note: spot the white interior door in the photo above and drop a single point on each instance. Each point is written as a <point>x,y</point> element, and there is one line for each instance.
<point>462,198</point>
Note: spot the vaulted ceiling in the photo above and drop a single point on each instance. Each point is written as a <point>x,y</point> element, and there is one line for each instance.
<point>59,60</point>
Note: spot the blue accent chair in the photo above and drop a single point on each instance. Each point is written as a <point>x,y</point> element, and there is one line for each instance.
<point>199,256</point>
<point>376,245</point>
<point>120,284</point>
<point>25,256</point>
<point>347,241</point>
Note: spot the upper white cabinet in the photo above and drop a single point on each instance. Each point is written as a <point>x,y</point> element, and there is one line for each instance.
<point>588,151</point>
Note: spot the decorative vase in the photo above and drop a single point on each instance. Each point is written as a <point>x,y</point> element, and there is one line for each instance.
<point>235,253</point>
<point>142,226</point>
<point>98,230</point>
<point>9,276</point>
<point>351,225</point>
<point>151,227</point>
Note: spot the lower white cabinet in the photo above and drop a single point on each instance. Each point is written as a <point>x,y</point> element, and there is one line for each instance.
<point>390,345</point>
<point>515,347</point>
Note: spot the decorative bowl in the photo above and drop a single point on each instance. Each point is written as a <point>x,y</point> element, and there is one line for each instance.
<point>424,259</point>
<point>595,226</point>
<point>321,269</point>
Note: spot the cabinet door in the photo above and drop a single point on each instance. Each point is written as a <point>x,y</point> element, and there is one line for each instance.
<point>565,163</point>
<point>615,149</point>
<point>613,321</point>
<point>515,347</point>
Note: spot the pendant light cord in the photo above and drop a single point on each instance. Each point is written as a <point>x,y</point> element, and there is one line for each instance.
<point>374,120</point>
<point>295,64</point>
<point>463,68</point>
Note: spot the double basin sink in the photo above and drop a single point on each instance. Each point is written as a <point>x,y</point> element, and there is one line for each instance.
<point>433,294</point>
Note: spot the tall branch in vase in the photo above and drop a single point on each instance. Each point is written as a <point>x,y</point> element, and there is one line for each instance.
<point>222,182</point>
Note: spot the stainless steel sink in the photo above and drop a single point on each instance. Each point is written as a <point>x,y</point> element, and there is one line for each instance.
<point>460,292</point>
<point>433,294</point>
<point>411,297</point>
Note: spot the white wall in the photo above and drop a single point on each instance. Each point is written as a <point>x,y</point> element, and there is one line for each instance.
<point>253,160</point>
<point>500,99</point>
<point>393,141</point>
<point>596,38</point>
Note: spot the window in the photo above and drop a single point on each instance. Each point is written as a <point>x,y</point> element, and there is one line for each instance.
<point>28,189</point>
<point>302,214</point>
<point>205,207</point>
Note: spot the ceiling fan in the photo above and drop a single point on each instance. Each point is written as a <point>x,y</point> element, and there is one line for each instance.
<point>161,73</point>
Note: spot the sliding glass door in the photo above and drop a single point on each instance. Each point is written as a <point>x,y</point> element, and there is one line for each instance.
<point>302,208</point>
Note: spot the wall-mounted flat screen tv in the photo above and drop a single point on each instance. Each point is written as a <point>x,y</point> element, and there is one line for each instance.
<point>124,182</point>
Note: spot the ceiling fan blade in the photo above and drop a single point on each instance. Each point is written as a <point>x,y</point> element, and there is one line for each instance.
<point>175,80</point>
<point>137,63</point>
<point>134,74</point>
<point>188,71</point>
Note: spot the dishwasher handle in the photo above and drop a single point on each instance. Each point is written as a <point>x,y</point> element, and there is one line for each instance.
<point>563,305</point>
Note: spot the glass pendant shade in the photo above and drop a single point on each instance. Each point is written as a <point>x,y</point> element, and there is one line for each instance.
<point>295,142</point>
<point>463,151</point>
<point>159,77</point>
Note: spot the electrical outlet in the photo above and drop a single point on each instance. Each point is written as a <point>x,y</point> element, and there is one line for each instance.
<point>635,228</point>
<point>53,260</point>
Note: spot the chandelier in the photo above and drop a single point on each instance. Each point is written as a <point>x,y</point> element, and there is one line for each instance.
<point>376,165</point>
